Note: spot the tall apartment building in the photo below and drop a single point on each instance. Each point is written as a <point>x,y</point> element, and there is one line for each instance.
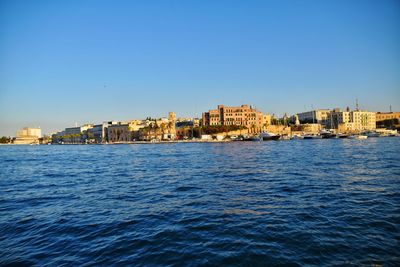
<point>363,120</point>
<point>244,116</point>
<point>351,121</point>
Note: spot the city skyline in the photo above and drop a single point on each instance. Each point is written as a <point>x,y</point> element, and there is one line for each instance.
<point>94,61</point>
<point>201,117</point>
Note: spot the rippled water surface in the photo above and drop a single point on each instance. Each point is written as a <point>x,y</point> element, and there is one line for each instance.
<point>306,202</point>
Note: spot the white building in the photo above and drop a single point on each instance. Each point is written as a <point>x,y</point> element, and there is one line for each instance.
<point>31,132</point>
<point>28,135</point>
<point>352,121</point>
<point>99,132</point>
<point>314,116</point>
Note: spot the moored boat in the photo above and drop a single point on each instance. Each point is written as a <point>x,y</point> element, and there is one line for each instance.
<point>266,136</point>
<point>358,136</point>
<point>372,134</point>
<point>327,134</point>
<point>312,136</point>
<point>251,138</point>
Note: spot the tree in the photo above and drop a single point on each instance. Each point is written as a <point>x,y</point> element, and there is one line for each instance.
<point>390,123</point>
<point>5,140</point>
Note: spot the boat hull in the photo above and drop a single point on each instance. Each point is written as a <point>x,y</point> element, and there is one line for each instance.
<point>326,136</point>
<point>270,138</point>
<point>312,137</point>
<point>252,139</point>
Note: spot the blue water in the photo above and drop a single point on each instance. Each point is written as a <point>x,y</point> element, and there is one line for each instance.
<point>307,202</point>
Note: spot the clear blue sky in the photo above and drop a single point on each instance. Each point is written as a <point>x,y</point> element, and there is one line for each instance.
<point>82,61</point>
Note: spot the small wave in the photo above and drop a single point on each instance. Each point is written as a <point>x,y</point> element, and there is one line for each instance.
<point>17,263</point>
<point>186,188</point>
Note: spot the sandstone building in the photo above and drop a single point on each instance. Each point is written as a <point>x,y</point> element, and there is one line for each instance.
<point>382,116</point>
<point>28,136</point>
<point>242,116</point>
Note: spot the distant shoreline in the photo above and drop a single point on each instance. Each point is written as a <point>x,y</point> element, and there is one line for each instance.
<point>170,142</point>
<point>132,143</point>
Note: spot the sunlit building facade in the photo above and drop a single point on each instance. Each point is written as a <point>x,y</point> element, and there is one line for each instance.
<point>314,116</point>
<point>351,121</point>
<point>243,115</point>
<point>382,116</point>
<point>28,135</point>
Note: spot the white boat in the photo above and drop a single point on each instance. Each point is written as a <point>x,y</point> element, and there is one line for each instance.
<point>386,132</point>
<point>327,134</point>
<point>372,134</point>
<point>358,136</point>
<point>219,137</point>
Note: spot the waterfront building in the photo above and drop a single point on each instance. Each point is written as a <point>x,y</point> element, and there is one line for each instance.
<point>124,131</point>
<point>184,131</point>
<point>28,135</point>
<point>57,138</point>
<point>99,132</point>
<point>351,121</point>
<point>388,120</point>
<point>159,129</point>
<point>76,134</point>
<point>194,122</point>
<point>242,116</point>
<point>145,130</point>
<point>31,132</point>
<point>187,128</point>
<point>363,120</point>
<point>383,116</point>
<point>314,116</point>
<point>337,117</point>
<point>78,129</point>
<point>266,121</point>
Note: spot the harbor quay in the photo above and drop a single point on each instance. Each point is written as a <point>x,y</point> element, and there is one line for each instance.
<point>223,124</point>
